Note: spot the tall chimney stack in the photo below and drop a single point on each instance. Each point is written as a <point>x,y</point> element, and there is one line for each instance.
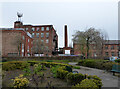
<point>66,40</point>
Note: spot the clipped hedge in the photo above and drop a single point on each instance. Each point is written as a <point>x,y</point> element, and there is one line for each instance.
<point>95,63</point>
<point>14,65</point>
<point>48,64</point>
<point>61,72</point>
<point>75,78</point>
<point>86,84</point>
<point>96,79</point>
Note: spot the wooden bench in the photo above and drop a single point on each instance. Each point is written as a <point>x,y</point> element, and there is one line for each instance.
<point>115,68</point>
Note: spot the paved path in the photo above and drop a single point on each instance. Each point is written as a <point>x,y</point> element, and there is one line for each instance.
<point>108,79</point>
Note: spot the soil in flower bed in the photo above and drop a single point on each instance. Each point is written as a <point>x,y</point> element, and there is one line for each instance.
<point>47,81</point>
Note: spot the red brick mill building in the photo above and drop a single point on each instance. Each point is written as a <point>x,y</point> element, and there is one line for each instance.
<point>110,48</point>
<point>16,42</point>
<point>12,45</point>
<point>45,33</point>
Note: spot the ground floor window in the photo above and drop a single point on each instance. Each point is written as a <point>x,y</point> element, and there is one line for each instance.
<point>12,54</point>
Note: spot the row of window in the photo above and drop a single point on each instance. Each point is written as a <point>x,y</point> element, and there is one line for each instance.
<point>112,53</point>
<point>47,40</point>
<point>112,47</point>
<point>38,28</point>
<point>106,47</point>
<point>107,54</point>
<point>42,35</point>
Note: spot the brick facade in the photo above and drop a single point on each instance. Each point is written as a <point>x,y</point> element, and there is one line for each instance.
<point>46,33</point>
<point>15,42</point>
<point>110,48</point>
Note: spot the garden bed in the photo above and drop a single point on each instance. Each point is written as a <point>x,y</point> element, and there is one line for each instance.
<point>21,74</point>
<point>48,77</point>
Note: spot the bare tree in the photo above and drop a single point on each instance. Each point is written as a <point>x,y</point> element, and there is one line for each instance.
<point>90,36</point>
<point>80,40</point>
<point>38,46</point>
<point>18,42</point>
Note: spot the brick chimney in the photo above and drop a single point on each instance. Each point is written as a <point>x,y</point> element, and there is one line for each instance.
<point>18,24</point>
<point>66,39</point>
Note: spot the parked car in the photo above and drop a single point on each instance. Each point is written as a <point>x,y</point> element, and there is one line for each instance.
<point>113,58</point>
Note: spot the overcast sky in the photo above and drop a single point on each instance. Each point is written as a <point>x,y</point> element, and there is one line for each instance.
<point>77,15</point>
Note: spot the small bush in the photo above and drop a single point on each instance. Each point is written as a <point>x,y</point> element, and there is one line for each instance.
<point>62,73</point>
<point>20,82</point>
<point>118,60</point>
<point>89,63</point>
<point>81,62</point>
<point>32,63</point>
<point>96,79</point>
<point>86,84</point>
<point>76,67</point>
<point>38,68</point>
<point>74,78</point>
<point>108,66</point>
<point>54,70</point>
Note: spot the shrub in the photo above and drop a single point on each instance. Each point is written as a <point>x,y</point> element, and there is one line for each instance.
<point>20,82</point>
<point>86,84</point>
<point>76,67</point>
<point>61,72</point>
<point>96,79</point>
<point>74,78</point>
<point>118,60</point>
<point>38,68</point>
<point>22,64</point>
<point>8,66</point>
<point>95,63</point>
<point>32,63</point>
<point>54,70</point>
<point>48,64</point>
<point>90,63</point>
<point>14,65</point>
<point>108,65</point>
<point>81,62</point>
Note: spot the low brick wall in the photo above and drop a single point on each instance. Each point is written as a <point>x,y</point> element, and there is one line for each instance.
<point>71,58</point>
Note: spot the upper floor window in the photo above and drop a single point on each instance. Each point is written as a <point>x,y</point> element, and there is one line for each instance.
<point>28,40</point>
<point>46,47</point>
<point>42,28</point>
<point>33,29</point>
<point>37,34</point>
<point>47,34</point>
<point>28,49</point>
<point>26,29</point>
<point>47,28</point>
<point>106,47</point>
<point>112,47</point>
<point>33,34</point>
<point>112,53</point>
<point>118,47</point>
<point>22,47</point>
<point>47,41</point>
<point>42,41</point>
<point>42,34</point>
<point>38,28</point>
<point>23,37</point>
<point>106,53</point>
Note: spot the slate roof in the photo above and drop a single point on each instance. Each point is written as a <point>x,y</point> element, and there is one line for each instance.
<point>112,42</point>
